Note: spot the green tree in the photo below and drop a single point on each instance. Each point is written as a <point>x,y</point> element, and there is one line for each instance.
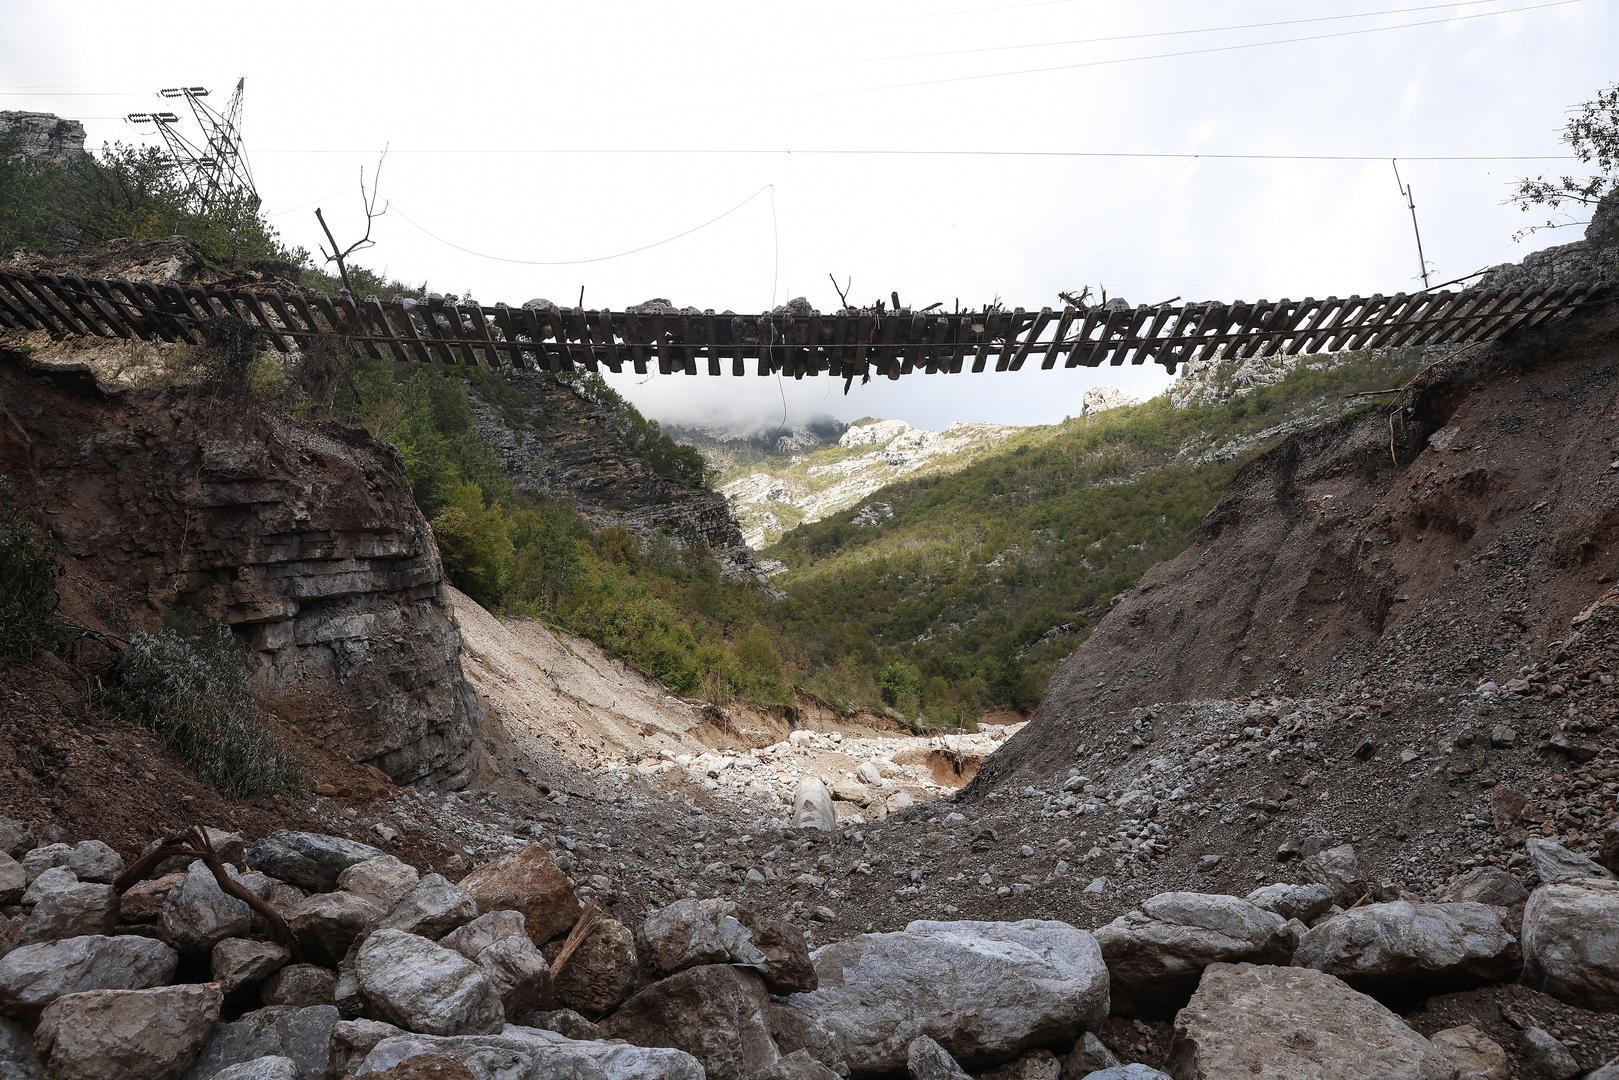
<point>1592,133</point>
<point>899,683</point>
<point>475,541</point>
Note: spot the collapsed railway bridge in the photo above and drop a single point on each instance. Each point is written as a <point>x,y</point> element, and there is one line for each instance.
<point>786,341</point>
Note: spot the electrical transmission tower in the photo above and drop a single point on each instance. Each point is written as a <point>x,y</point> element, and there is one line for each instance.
<point>215,168</point>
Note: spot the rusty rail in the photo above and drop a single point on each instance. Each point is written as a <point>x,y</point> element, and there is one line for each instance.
<point>842,343</point>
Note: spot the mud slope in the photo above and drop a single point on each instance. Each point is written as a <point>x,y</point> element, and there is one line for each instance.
<point>1445,540</point>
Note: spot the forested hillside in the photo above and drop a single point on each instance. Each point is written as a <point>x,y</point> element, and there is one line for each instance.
<point>960,592</point>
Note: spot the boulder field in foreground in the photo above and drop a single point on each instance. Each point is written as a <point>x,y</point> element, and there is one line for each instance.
<point>390,972</point>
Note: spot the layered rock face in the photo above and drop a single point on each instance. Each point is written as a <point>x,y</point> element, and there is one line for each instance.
<point>561,446</point>
<point>303,537</point>
<point>42,135</point>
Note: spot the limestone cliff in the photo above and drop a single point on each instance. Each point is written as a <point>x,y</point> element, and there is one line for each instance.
<point>303,537</point>
<point>41,135</point>
<point>558,443</point>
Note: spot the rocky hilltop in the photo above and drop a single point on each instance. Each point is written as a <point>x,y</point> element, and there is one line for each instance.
<point>41,135</point>
<point>805,475</point>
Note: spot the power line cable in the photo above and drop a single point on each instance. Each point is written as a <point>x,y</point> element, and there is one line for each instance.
<point>930,152</point>
<point>1157,56</point>
<point>1138,37</point>
<point>959,11</point>
<point>580,262</point>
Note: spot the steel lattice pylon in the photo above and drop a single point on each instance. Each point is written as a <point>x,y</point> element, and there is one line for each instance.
<point>215,168</point>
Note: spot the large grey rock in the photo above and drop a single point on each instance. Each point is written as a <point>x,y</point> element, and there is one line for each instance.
<point>126,1034</point>
<point>1133,1071</point>
<point>600,973</point>
<point>199,914</point>
<point>35,975</point>
<point>812,806</point>
<point>1290,1023</point>
<point>89,860</point>
<point>300,985</point>
<point>432,908</point>
<point>518,971</point>
<point>308,860</point>
<point>797,1065</point>
<point>1155,955</point>
<point>304,1035</point>
<point>352,1040</point>
<point>17,1058</point>
<point>46,882</point>
<point>239,962</point>
<point>42,136</point>
<point>691,932</point>
<point>1486,885</point>
<point>986,991</point>
<point>526,881</point>
<point>13,879</point>
<point>1302,902</point>
<point>383,880</point>
<point>499,944</point>
<point>143,902</point>
<point>1554,862</point>
<point>565,1022</point>
<point>1473,1054</point>
<point>1339,869</point>
<point>16,838</point>
<point>1571,942</point>
<point>715,1013</point>
<point>72,909</point>
<point>925,1059</point>
<point>327,924</point>
<point>1413,948</point>
<point>1088,1055</point>
<point>264,1068</point>
<point>533,1054</point>
<point>1546,1055</point>
<point>423,987</point>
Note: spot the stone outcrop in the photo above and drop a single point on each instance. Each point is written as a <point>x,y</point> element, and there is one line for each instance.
<point>1401,947</point>
<point>35,975</point>
<point>303,537</point>
<point>1571,941</point>
<point>1156,954</point>
<point>1099,399</point>
<point>716,1013</point>
<point>1278,1023</point>
<point>127,1034</point>
<point>807,478</point>
<point>312,861</point>
<point>561,445</point>
<point>44,136</point>
<point>421,986</point>
<point>985,991</point>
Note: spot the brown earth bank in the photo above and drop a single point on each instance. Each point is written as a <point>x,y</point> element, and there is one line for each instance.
<point>182,505</point>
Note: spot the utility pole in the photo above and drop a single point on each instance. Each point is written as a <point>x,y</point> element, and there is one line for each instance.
<point>1405,189</point>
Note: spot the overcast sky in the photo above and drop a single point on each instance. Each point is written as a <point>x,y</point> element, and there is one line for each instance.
<point>475,99</point>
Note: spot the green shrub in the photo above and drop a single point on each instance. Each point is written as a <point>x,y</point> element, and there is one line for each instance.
<point>192,691</point>
<point>900,683</point>
<point>28,574</point>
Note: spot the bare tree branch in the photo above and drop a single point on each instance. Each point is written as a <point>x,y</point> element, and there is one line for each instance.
<point>368,200</point>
